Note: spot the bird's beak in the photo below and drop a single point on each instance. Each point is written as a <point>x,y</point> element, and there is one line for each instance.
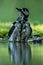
<point>18,9</point>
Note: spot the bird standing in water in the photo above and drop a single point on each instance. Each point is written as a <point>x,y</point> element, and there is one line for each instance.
<point>19,50</point>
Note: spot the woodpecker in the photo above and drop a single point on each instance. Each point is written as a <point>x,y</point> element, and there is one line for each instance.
<point>18,36</point>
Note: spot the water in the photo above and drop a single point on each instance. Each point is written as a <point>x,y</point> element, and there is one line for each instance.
<point>36,52</point>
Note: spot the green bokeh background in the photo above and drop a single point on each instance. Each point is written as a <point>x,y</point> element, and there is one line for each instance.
<point>8,12</point>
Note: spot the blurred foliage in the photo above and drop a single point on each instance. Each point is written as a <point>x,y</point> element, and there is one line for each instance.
<point>5,27</point>
<point>8,14</point>
<point>37,29</point>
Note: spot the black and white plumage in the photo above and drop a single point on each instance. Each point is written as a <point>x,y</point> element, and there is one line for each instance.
<point>19,50</point>
<point>11,30</point>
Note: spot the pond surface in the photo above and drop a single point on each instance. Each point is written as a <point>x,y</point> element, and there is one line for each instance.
<point>36,51</point>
